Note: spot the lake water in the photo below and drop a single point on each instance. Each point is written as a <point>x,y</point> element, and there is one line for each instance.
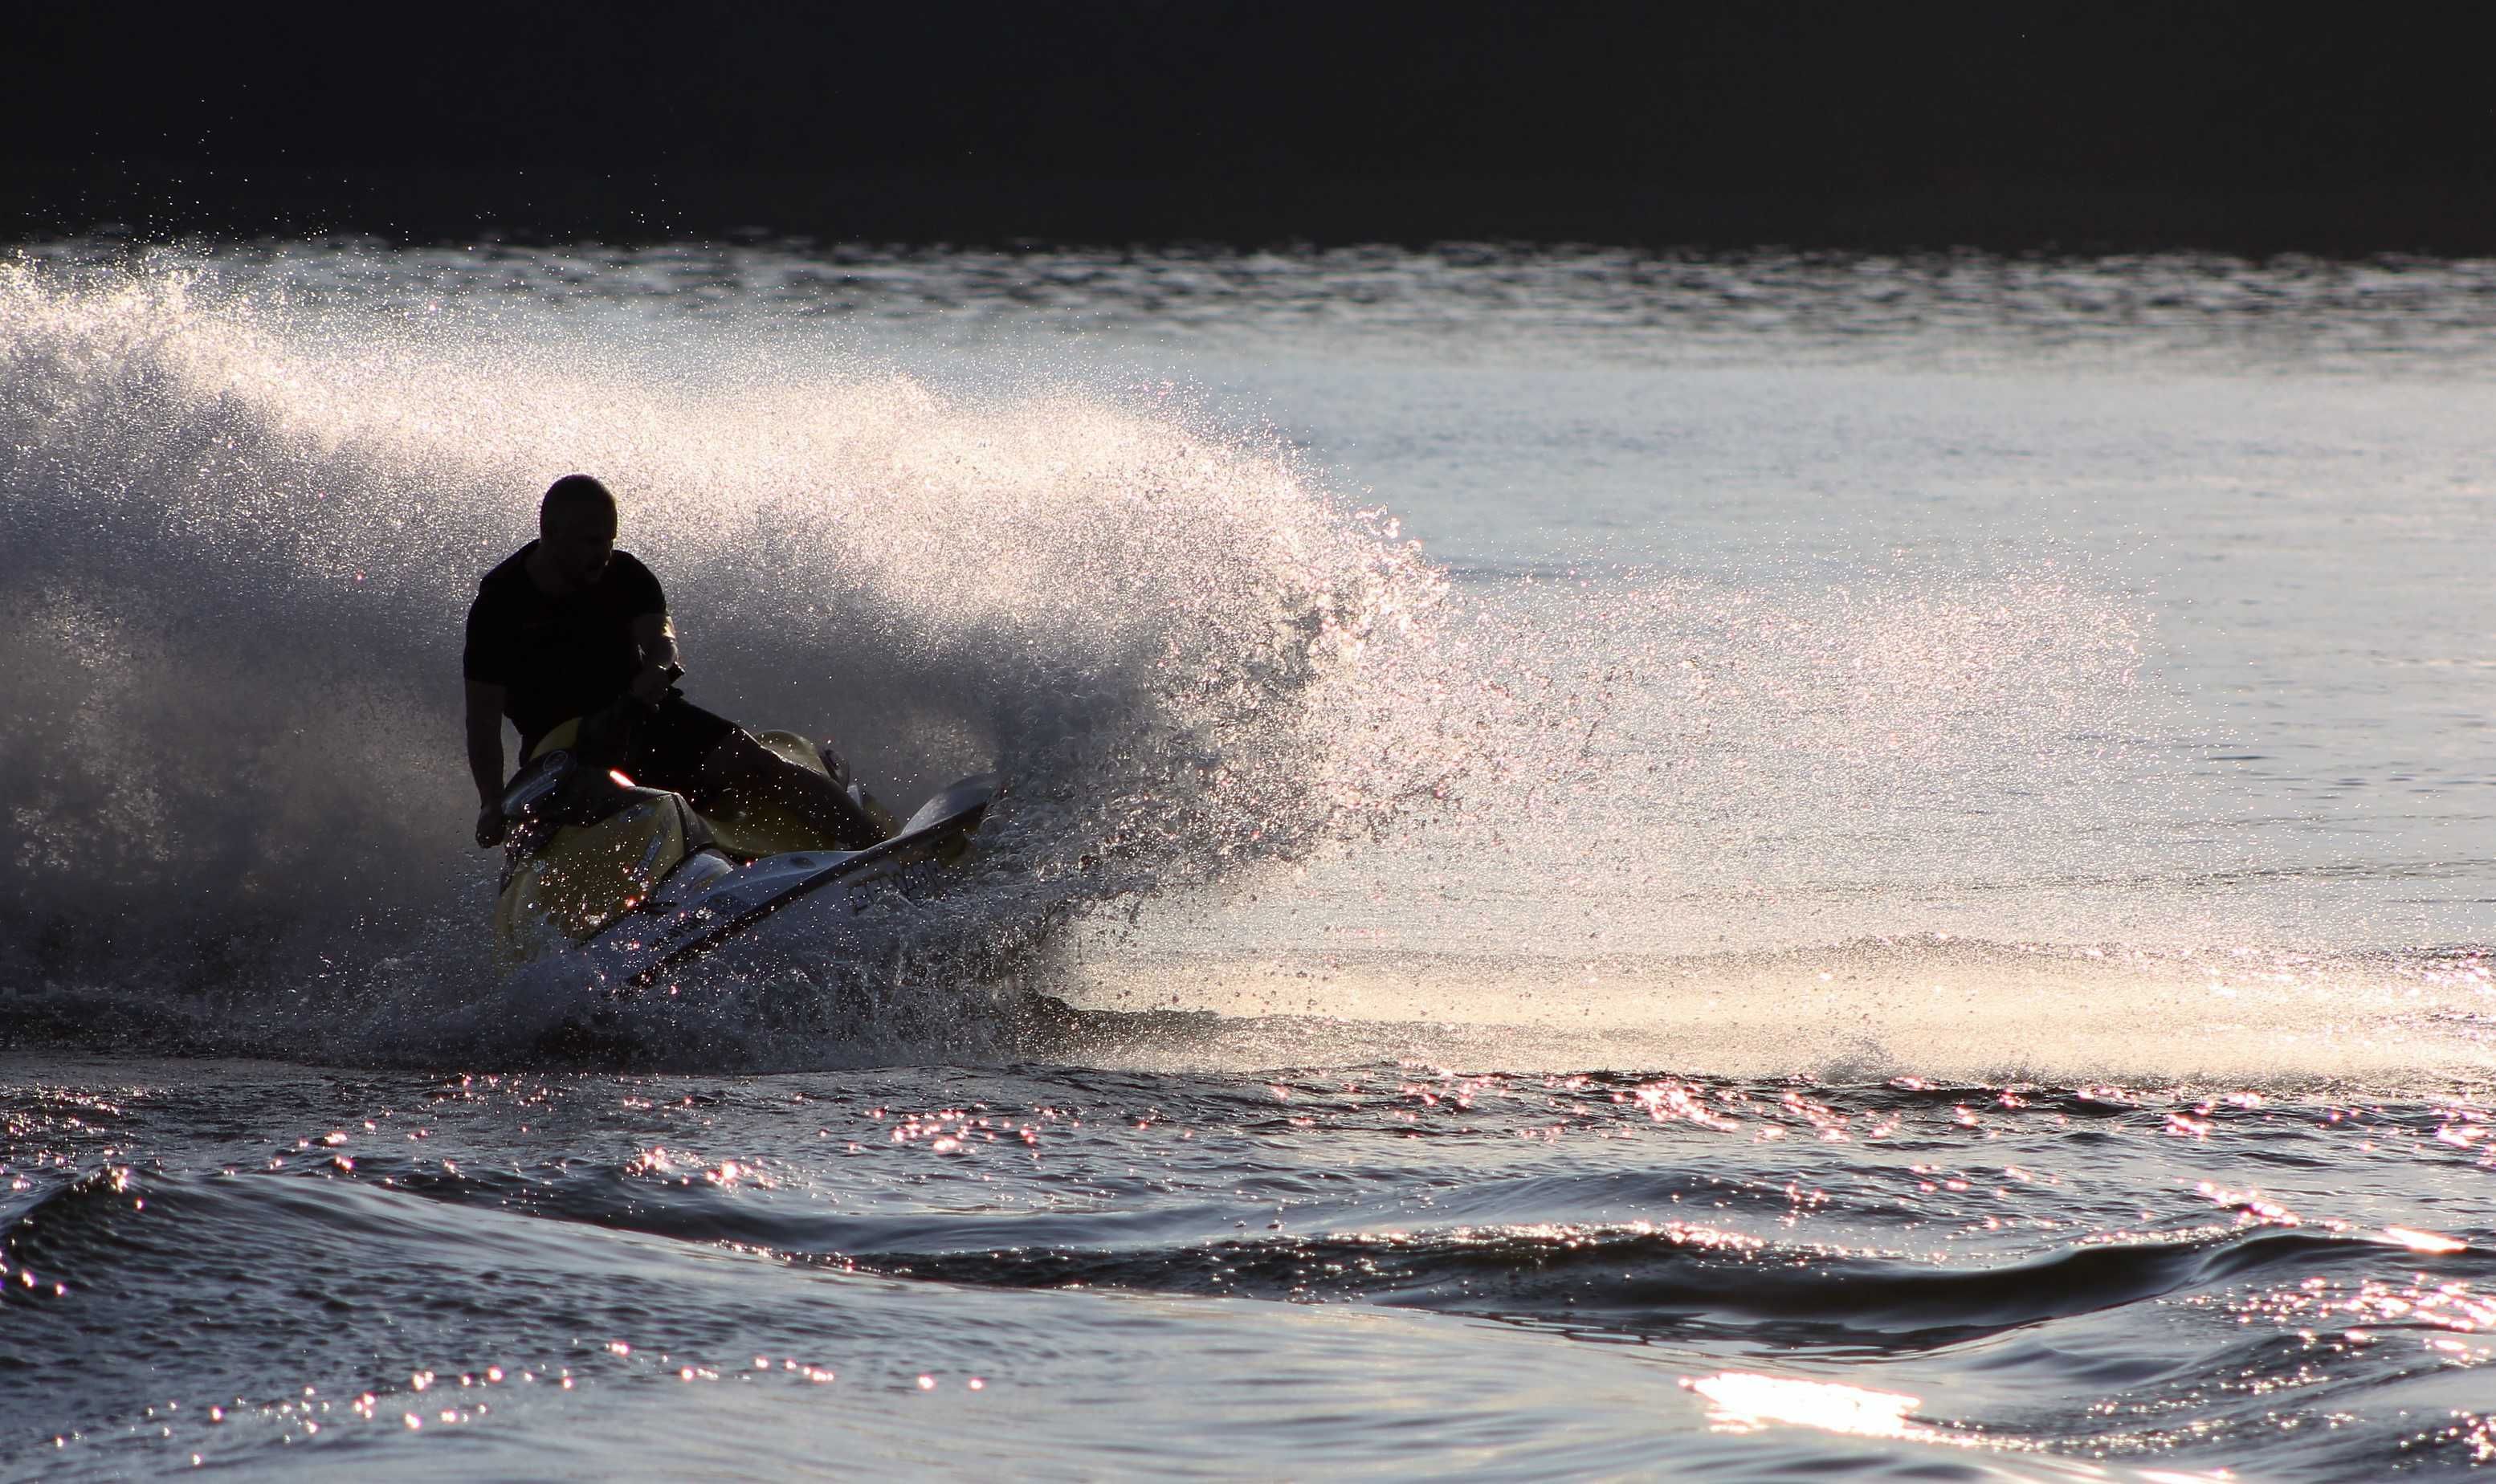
<point>1724,866</point>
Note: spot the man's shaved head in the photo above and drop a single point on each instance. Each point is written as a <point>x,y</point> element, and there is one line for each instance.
<point>575,533</point>
<point>575,499</point>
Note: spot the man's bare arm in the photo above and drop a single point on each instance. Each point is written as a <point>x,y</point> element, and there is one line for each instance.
<point>655,635</point>
<point>486,756</point>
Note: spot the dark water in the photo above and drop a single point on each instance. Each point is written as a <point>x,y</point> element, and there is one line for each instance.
<point>1368,1268</point>
<point>1898,882</point>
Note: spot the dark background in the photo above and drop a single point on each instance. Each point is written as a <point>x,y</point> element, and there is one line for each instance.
<point>2254,128</point>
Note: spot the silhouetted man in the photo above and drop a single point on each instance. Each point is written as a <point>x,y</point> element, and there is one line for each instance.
<point>568,624</point>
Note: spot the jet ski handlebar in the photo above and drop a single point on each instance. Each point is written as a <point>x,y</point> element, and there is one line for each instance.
<point>555,782</point>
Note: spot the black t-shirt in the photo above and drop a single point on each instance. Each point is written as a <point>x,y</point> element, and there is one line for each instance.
<point>557,657</point>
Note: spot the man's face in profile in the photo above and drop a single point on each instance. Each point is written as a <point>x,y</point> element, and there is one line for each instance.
<point>578,544</point>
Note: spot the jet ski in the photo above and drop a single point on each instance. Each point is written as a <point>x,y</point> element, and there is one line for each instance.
<point>625,884</point>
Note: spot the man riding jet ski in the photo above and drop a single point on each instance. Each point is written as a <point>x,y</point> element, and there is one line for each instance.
<point>641,826</point>
<point>565,625</point>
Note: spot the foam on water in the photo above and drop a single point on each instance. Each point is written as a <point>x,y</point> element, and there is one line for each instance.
<point>243,523</point>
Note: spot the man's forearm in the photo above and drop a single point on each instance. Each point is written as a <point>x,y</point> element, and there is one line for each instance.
<point>655,635</point>
<point>485,760</point>
<point>484,719</point>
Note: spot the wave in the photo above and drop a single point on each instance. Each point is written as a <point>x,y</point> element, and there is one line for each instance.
<point>1675,1279</point>
<point>115,1229</point>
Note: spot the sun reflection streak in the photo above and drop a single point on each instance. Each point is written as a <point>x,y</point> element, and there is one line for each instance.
<point>1744,1402</point>
<point>2417,1241</point>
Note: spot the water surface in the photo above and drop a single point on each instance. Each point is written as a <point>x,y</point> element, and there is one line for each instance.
<point>1678,866</point>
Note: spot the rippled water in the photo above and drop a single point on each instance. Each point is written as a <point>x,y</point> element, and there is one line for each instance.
<point>1366,1268</point>
<point>1726,867</point>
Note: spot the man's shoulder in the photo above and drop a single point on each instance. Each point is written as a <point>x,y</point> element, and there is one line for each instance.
<point>634,583</point>
<point>510,572</point>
